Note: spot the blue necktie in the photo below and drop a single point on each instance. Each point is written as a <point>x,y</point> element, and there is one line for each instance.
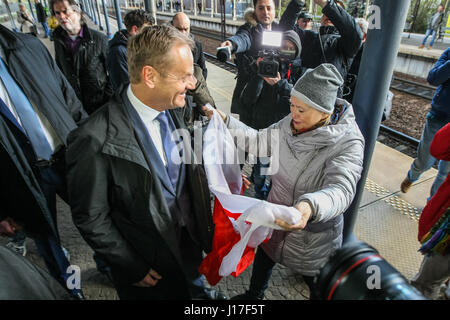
<point>27,116</point>
<point>170,148</point>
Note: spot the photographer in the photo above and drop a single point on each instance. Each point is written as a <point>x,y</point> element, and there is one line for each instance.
<point>267,99</point>
<point>246,44</point>
<point>338,41</point>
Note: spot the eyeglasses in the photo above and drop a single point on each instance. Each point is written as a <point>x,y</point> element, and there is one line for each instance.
<point>186,80</point>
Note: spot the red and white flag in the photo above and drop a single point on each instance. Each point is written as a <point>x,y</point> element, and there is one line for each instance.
<point>241,223</point>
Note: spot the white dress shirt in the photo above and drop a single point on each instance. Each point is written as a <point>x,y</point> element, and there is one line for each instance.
<point>49,132</point>
<point>148,116</point>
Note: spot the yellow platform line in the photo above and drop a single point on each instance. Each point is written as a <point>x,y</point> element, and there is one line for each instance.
<point>222,92</point>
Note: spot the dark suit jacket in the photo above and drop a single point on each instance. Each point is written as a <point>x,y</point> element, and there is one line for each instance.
<point>118,203</point>
<point>37,74</point>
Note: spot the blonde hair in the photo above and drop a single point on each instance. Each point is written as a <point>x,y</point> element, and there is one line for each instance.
<point>151,46</point>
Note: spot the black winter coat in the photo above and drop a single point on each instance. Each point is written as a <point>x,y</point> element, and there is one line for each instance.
<point>86,69</point>
<point>116,61</point>
<point>246,45</point>
<point>336,45</point>
<point>199,57</point>
<point>40,12</point>
<point>36,72</point>
<point>265,104</point>
<point>118,204</point>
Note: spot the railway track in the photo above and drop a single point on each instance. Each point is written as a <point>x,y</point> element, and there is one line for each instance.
<point>413,88</point>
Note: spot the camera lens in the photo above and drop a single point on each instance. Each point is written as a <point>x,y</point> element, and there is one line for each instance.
<point>223,54</point>
<point>357,272</point>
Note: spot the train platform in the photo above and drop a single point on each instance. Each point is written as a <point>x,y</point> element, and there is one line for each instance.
<point>387,219</point>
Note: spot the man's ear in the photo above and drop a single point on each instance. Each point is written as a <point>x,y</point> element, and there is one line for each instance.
<point>134,30</point>
<point>149,75</point>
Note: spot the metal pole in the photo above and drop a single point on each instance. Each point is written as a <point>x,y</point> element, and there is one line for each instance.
<point>150,7</point>
<point>374,77</point>
<point>94,16</point>
<point>223,24</point>
<point>98,15</point>
<point>31,9</point>
<point>87,9</point>
<point>118,14</point>
<point>13,24</point>
<point>108,28</point>
<point>147,5</point>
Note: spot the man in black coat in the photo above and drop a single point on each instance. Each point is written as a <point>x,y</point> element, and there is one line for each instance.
<point>81,53</point>
<point>182,22</point>
<point>135,200</point>
<point>38,109</point>
<point>116,61</point>
<point>42,17</point>
<point>337,42</point>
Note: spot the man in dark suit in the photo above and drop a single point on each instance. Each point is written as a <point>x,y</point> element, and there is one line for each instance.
<point>143,210</point>
<point>38,109</point>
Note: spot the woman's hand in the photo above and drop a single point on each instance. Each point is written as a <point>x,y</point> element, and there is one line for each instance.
<point>305,210</point>
<point>209,113</point>
<point>246,182</point>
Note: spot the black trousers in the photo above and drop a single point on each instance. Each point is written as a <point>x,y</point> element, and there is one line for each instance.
<point>182,286</point>
<point>261,273</point>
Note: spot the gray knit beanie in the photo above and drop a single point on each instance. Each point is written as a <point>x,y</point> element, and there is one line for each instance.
<point>318,87</point>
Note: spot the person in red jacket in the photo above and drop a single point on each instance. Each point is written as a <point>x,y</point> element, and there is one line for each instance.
<point>435,267</point>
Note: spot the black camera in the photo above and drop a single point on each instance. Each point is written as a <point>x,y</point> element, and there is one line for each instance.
<point>223,54</point>
<point>268,67</point>
<point>272,54</point>
<point>357,272</point>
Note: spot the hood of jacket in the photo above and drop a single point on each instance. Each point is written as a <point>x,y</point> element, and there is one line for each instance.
<point>292,36</point>
<point>249,17</point>
<point>119,39</point>
<point>332,134</point>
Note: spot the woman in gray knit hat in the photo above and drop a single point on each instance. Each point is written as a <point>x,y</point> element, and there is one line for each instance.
<point>320,154</point>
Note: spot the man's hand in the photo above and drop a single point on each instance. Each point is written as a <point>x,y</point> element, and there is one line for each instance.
<point>227,43</point>
<point>8,227</point>
<point>150,280</point>
<point>321,3</point>
<point>273,81</point>
<point>305,210</point>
